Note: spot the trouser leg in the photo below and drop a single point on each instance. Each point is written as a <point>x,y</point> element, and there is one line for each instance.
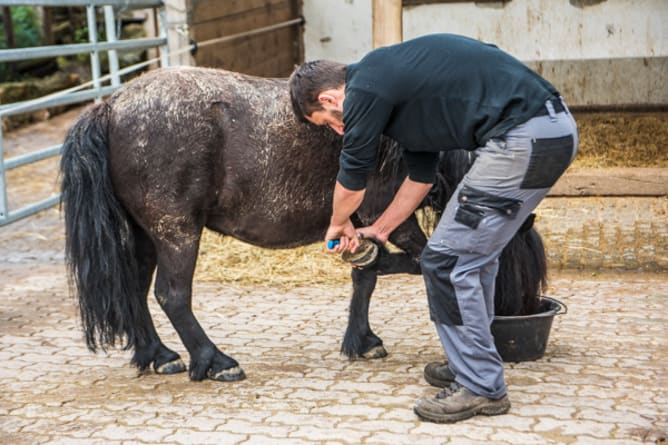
<point>488,282</point>
<point>507,181</point>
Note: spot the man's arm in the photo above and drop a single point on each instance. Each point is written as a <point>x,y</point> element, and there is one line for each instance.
<point>407,199</point>
<point>345,203</point>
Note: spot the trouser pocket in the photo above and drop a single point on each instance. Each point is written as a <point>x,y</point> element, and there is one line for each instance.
<point>478,217</point>
<point>549,160</point>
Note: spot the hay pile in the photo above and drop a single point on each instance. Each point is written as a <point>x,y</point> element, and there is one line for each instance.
<point>622,140</point>
<point>226,260</point>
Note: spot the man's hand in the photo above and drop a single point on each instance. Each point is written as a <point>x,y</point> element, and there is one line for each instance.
<point>373,233</point>
<point>347,236</point>
<point>340,227</point>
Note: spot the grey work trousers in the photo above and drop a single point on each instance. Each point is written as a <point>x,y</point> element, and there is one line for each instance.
<point>508,179</point>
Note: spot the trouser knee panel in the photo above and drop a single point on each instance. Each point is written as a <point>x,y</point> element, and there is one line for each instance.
<point>436,270</point>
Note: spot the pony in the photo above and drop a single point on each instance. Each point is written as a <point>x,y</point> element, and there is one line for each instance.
<point>180,149</point>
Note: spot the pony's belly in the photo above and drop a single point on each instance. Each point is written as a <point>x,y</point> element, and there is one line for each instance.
<point>265,231</point>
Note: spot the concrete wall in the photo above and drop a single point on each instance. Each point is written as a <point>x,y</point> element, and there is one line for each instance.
<point>597,52</point>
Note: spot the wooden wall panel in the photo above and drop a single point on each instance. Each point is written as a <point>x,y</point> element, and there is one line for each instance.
<point>270,54</point>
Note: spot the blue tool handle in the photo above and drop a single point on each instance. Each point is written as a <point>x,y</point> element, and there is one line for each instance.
<point>333,243</point>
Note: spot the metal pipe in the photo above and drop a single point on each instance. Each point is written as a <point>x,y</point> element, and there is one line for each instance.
<point>164,34</point>
<point>94,54</point>
<point>40,52</point>
<point>110,28</point>
<point>253,32</point>
<point>18,161</point>
<point>134,4</point>
<point>56,99</point>
<point>3,181</point>
<point>30,209</point>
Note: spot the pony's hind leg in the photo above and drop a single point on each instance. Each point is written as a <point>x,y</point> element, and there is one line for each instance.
<point>152,351</point>
<point>177,255</point>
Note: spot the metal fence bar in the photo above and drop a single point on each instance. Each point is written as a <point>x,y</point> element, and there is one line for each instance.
<point>18,161</point>
<point>3,182</point>
<point>11,55</point>
<point>32,105</point>
<point>110,28</point>
<point>30,209</point>
<point>164,29</point>
<point>125,4</point>
<point>11,109</point>
<point>94,54</point>
<point>252,32</point>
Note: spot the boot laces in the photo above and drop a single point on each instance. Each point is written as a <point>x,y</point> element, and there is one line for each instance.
<point>449,390</point>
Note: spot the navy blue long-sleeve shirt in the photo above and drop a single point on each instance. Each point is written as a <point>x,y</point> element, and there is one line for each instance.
<point>433,93</point>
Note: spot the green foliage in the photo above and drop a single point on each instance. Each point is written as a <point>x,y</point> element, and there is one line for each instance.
<point>27,31</point>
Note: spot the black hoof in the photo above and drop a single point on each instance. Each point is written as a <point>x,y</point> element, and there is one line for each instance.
<point>228,375</point>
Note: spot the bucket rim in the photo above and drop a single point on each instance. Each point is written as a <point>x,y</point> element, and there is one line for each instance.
<point>549,313</point>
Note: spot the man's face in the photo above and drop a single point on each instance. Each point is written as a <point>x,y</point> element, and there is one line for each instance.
<point>331,116</point>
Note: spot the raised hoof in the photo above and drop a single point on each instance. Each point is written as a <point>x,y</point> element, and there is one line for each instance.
<point>375,352</point>
<point>173,367</point>
<point>228,375</point>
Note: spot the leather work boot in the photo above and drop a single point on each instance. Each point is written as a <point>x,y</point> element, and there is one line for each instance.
<point>457,403</point>
<point>438,374</point>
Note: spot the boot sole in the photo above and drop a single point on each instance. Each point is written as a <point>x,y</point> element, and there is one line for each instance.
<point>492,409</point>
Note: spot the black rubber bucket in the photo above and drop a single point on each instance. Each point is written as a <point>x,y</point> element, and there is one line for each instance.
<point>524,338</point>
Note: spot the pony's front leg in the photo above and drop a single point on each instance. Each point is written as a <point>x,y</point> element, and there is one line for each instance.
<point>173,289</point>
<point>359,340</point>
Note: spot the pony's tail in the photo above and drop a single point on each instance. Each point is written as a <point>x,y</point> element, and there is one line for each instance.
<point>522,275</point>
<point>99,245</point>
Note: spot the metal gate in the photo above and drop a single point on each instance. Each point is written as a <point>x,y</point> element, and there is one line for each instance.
<point>95,89</point>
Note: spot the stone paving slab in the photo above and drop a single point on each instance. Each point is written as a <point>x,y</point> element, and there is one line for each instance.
<point>603,379</point>
<point>596,233</point>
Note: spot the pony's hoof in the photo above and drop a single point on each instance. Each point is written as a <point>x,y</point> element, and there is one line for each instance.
<point>375,352</point>
<point>228,375</point>
<point>173,367</point>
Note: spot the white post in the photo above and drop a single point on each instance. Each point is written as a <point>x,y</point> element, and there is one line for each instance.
<point>110,28</point>
<point>387,22</point>
<point>177,30</point>
<point>95,54</point>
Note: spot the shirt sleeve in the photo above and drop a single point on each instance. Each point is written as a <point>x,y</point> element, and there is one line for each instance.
<point>421,165</point>
<point>364,116</point>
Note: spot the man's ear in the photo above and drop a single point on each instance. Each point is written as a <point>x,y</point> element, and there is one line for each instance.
<point>332,96</point>
<point>326,97</point>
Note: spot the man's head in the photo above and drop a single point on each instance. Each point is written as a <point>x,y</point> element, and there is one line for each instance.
<point>317,93</point>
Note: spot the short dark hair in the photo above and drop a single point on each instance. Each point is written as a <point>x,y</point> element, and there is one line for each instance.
<point>310,79</point>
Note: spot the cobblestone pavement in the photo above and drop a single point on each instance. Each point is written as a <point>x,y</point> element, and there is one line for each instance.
<point>603,379</point>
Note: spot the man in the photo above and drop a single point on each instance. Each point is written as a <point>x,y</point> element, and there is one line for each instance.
<point>435,93</point>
